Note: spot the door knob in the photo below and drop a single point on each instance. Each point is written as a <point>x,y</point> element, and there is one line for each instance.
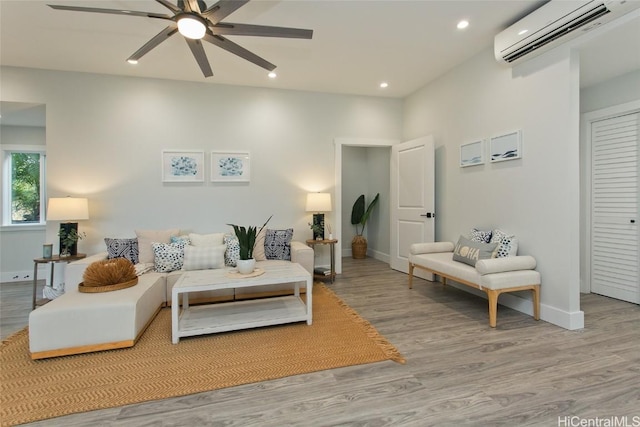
<point>429,215</point>
<point>633,221</point>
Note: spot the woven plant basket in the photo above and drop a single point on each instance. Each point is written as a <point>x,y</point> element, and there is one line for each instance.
<point>108,275</point>
<point>359,247</point>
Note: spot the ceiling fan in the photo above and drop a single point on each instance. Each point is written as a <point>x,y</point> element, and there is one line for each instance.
<point>193,20</point>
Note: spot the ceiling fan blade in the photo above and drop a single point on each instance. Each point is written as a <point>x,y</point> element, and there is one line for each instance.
<point>172,7</point>
<point>227,28</point>
<point>198,52</point>
<point>111,11</point>
<point>155,41</point>
<point>222,9</point>
<point>191,6</point>
<point>230,46</point>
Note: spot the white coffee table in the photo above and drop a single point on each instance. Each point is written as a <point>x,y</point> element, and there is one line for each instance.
<point>229,316</point>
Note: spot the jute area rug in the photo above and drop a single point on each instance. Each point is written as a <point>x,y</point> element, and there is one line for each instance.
<point>156,369</point>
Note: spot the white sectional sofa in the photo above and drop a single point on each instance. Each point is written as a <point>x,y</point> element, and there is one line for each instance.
<point>79,322</point>
<point>493,275</point>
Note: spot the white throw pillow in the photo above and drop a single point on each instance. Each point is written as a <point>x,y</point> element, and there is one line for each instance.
<point>147,237</point>
<point>204,257</point>
<point>213,239</point>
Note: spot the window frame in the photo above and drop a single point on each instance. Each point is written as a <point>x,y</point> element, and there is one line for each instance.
<point>7,151</point>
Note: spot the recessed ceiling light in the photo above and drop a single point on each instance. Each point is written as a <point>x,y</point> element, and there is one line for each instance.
<point>521,32</point>
<point>463,24</point>
<point>272,75</point>
<point>384,85</point>
<point>132,61</point>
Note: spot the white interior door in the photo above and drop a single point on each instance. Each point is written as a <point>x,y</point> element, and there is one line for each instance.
<point>615,251</point>
<point>412,199</point>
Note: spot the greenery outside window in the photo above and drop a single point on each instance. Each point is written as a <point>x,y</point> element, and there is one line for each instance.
<point>23,187</point>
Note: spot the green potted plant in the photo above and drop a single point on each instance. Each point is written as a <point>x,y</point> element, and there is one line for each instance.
<point>68,241</point>
<point>247,241</point>
<point>359,217</point>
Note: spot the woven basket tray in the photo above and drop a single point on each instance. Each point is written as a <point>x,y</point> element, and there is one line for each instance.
<point>107,288</point>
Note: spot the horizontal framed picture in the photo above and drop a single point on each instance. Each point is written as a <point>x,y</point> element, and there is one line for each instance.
<point>472,154</point>
<point>182,166</point>
<point>230,166</point>
<point>507,146</point>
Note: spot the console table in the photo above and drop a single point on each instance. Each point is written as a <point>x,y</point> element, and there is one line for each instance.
<point>53,260</point>
<point>332,245</point>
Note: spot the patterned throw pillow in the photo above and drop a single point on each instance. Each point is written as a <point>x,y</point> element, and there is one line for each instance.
<point>470,252</point>
<point>507,244</point>
<point>168,256</point>
<point>203,257</point>
<point>122,248</point>
<point>480,235</point>
<point>232,254</point>
<point>277,244</point>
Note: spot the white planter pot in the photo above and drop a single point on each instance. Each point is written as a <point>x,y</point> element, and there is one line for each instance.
<point>246,266</point>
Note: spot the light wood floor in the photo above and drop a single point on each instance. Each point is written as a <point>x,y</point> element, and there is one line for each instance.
<point>458,371</point>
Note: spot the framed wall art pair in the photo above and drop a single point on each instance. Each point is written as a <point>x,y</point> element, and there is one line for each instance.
<point>503,147</point>
<point>189,166</point>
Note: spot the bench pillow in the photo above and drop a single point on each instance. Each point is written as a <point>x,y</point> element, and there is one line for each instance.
<point>469,252</point>
<point>507,244</point>
<point>481,236</point>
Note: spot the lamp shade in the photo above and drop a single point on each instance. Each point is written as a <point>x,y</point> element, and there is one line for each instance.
<point>319,202</point>
<point>67,209</point>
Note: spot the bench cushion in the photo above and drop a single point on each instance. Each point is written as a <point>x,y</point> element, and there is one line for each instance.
<point>443,262</point>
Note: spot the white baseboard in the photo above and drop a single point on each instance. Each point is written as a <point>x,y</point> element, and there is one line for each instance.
<point>44,272</point>
<point>346,253</point>
<point>23,276</point>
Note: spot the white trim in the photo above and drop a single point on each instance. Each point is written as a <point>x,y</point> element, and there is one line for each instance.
<point>42,149</point>
<point>339,143</point>
<point>585,131</point>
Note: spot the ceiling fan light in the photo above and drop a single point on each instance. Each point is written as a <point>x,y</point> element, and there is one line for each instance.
<point>191,27</point>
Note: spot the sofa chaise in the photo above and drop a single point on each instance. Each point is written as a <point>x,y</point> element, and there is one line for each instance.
<point>79,322</point>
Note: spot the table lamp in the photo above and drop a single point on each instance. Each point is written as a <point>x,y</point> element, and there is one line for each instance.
<point>68,209</point>
<point>318,202</point>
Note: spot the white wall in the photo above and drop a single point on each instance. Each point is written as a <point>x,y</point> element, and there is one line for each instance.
<point>18,248</point>
<point>105,135</point>
<point>366,170</point>
<point>535,197</point>
<point>616,91</point>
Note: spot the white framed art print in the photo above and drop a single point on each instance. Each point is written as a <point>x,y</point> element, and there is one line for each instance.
<point>472,153</point>
<point>182,166</point>
<point>230,166</point>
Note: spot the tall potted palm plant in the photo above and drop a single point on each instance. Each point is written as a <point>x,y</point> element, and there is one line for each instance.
<point>359,217</point>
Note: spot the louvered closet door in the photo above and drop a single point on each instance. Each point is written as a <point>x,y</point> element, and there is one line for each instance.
<point>615,255</point>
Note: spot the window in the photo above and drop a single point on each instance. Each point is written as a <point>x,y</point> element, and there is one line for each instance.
<point>23,186</point>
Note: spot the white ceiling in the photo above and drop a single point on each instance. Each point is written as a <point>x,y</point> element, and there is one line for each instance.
<point>356,44</point>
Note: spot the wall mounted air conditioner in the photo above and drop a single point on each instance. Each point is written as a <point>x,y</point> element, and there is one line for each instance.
<point>556,22</point>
